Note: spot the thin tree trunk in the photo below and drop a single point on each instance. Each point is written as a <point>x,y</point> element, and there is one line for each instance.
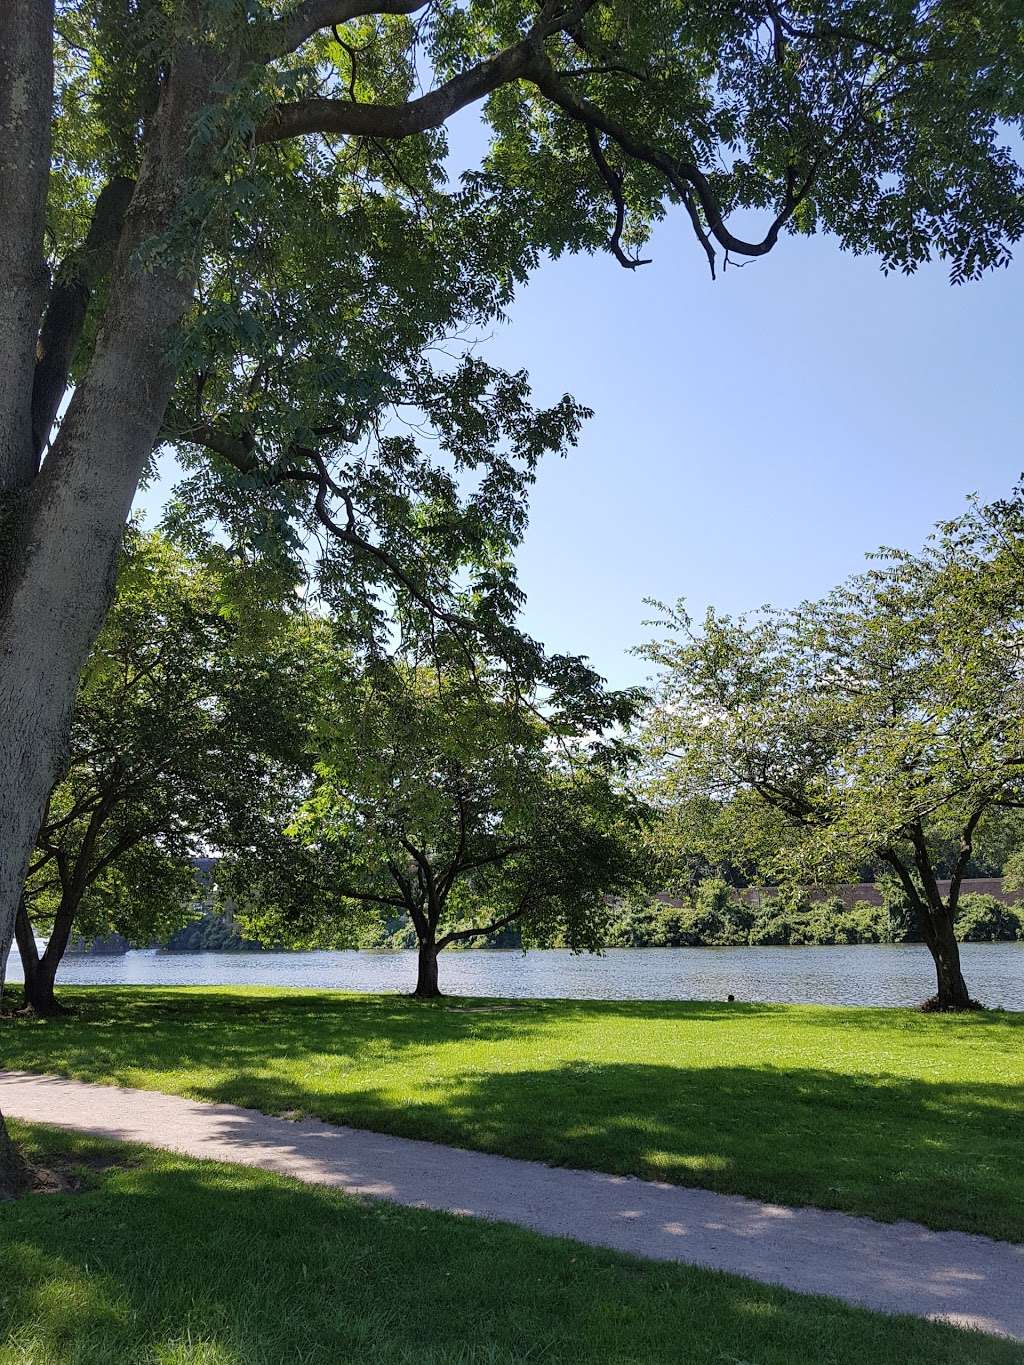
<point>27,950</point>
<point>936,921</point>
<point>426,971</point>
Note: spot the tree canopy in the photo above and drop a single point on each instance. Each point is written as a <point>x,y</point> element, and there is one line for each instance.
<point>236,235</point>
<point>446,796</point>
<point>883,724</point>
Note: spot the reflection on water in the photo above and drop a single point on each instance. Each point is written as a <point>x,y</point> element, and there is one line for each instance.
<point>861,975</point>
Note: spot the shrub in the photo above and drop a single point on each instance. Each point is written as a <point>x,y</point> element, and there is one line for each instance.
<point>717,919</point>
<point>212,933</point>
<point>772,924</point>
<point>636,924</point>
<point>873,924</point>
<point>984,919</point>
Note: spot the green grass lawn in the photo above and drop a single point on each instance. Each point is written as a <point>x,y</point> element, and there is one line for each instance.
<point>166,1261</point>
<point>890,1113</point>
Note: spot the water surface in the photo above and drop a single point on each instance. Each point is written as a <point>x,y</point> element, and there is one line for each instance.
<point>849,975</point>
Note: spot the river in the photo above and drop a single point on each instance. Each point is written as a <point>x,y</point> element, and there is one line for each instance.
<point>853,975</point>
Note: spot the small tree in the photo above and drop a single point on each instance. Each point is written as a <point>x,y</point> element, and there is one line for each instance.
<point>878,724</point>
<point>443,796</point>
<point>185,713</point>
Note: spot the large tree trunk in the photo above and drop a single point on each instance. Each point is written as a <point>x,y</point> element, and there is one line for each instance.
<point>26,99</point>
<point>61,526</point>
<point>426,971</point>
<point>26,102</point>
<point>60,537</point>
<point>14,1174</point>
<point>61,577</point>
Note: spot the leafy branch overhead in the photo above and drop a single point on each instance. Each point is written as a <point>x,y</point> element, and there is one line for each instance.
<point>332,253</point>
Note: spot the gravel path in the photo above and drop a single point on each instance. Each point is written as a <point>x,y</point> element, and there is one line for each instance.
<point>894,1267</point>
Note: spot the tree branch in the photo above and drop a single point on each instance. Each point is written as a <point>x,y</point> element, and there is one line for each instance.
<point>924,865</point>
<point>26,939</point>
<point>964,857</point>
<point>682,176</point>
<point>80,877</point>
<point>370,897</point>
<point>458,935</point>
<point>613,180</point>
<point>290,31</point>
<point>344,117</point>
<point>126,841</point>
<point>69,301</point>
<point>351,536</point>
<point>447,879</point>
<point>911,892</point>
<point>240,451</point>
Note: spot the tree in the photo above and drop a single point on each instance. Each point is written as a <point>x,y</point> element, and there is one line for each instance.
<point>444,797</point>
<point>183,713</point>
<point>881,724</point>
<point>232,233</point>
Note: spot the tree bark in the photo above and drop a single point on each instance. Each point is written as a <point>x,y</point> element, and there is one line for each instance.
<point>60,539</point>
<point>14,1173</point>
<point>61,527</point>
<point>936,920</point>
<point>26,103</point>
<point>426,971</point>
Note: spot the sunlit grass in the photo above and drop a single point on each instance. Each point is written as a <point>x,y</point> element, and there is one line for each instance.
<point>884,1112</point>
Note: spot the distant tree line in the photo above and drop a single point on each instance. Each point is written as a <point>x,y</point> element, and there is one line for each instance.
<point>714,916</point>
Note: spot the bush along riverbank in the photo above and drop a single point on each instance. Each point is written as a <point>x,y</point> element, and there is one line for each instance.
<point>716,916</point>
<point>713,916</point>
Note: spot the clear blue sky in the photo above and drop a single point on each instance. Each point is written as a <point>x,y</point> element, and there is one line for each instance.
<point>755,436</point>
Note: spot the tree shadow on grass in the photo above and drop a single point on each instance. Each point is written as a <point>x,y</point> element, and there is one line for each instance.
<point>141,1028</point>
<point>947,1155</point>
<point>119,1034</point>
<point>177,1261</point>
<point>177,1027</point>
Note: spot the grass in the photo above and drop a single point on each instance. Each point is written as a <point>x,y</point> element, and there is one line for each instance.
<point>889,1113</point>
<point>167,1261</point>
